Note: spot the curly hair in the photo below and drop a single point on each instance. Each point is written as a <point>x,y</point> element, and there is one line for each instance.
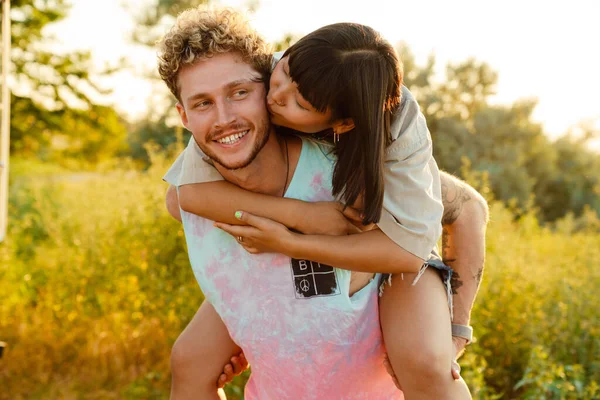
<point>200,33</point>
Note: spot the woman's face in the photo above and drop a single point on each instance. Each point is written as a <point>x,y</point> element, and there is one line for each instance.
<point>287,106</point>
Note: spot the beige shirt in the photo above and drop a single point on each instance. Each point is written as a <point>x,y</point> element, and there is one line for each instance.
<point>412,204</point>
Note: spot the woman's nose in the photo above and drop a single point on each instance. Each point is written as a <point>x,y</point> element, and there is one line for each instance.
<point>280,92</point>
<point>276,97</point>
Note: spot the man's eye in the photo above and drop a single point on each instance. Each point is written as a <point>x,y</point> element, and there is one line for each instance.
<point>240,93</point>
<point>202,104</point>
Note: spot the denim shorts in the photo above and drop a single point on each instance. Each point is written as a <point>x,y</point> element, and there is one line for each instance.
<point>434,261</point>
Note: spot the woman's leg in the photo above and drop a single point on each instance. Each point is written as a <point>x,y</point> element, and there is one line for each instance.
<point>416,326</point>
<point>198,356</point>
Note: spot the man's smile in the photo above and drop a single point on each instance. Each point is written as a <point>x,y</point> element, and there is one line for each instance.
<point>232,138</point>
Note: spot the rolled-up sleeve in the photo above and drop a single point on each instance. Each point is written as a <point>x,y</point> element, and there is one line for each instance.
<point>191,167</point>
<point>412,205</point>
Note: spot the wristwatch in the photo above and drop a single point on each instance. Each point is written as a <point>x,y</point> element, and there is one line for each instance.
<point>463,331</point>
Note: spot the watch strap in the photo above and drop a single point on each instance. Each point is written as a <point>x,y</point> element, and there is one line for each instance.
<point>463,331</point>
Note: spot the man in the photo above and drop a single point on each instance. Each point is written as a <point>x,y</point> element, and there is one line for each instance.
<point>222,103</point>
<point>295,346</point>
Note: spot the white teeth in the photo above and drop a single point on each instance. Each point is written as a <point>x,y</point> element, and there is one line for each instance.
<point>232,138</point>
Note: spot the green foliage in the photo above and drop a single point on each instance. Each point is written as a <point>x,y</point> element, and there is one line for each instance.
<point>98,286</point>
<point>536,312</point>
<point>150,134</point>
<point>158,15</point>
<point>54,104</point>
<point>519,158</point>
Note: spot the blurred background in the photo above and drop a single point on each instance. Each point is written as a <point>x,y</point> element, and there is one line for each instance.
<point>95,284</point>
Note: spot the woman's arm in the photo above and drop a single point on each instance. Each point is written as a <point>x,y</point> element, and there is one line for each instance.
<point>374,251</point>
<point>370,251</point>
<point>218,201</point>
<point>203,191</point>
<point>464,223</point>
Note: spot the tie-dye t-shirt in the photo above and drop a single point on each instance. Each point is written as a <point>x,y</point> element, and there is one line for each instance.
<point>301,332</point>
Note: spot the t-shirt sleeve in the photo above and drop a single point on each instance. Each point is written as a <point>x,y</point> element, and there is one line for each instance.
<point>192,166</point>
<point>412,205</point>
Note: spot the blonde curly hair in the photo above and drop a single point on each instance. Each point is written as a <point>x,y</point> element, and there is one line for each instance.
<point>202,32</point>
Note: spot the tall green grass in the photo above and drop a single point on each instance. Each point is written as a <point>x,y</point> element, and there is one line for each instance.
<point>95,287</point>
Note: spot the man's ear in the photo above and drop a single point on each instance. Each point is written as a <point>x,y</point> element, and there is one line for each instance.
<point>182,114</point>
<point>343,125</point>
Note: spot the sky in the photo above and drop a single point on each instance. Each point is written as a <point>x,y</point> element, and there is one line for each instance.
<point>541,49</point>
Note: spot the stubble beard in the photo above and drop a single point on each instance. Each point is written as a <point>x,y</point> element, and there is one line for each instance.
<point>263,132</point>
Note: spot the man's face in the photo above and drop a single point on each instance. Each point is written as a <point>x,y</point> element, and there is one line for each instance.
<point>223,105</point>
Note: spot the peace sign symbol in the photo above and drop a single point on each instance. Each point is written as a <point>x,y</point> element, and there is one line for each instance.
<point>304,285</point>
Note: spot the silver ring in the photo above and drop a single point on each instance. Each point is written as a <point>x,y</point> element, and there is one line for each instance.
<point>240,239</point>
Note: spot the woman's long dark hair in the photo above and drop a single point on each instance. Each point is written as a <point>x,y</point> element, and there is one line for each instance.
<point>351,70</point>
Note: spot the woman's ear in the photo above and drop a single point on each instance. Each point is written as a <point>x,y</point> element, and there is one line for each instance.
<point>343,126</point>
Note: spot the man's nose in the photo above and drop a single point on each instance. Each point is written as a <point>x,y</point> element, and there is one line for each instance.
<point>225,115</point>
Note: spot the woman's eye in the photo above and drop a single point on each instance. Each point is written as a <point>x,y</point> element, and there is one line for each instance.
<point>300,105</point>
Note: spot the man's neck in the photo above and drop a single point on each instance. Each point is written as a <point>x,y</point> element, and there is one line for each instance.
<point>266,173</point>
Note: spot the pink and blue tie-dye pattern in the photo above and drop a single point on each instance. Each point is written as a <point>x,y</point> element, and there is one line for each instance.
<point>320,345</point>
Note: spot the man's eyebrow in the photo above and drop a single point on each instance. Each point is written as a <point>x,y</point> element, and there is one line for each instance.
<point>240,82</point>
<point>229,85</point>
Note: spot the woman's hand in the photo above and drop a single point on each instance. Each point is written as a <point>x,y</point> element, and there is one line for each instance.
<point>328,218</point>
<point>260,235</point>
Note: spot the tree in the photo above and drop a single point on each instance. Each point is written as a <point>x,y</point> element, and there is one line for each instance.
<point>54,110</point>
<point>156,16</point>
<point>520,160</point>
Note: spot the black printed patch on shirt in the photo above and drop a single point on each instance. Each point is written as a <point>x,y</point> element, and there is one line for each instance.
<point>313,279</point>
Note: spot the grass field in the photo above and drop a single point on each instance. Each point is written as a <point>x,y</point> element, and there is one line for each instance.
<point>95,287</point>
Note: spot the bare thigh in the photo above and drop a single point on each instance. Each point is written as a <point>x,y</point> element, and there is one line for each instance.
<point>416,326</point>
<point>200,352</point>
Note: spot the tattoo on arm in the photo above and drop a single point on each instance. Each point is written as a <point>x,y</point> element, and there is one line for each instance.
<point>479,275</point>
<point>455,282</point>
<point>445,248</point>
<point>453,198</point>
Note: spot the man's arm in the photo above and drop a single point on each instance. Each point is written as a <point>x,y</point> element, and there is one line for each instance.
<point>463,244</point>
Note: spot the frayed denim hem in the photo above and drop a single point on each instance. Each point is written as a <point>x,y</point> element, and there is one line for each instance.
<point>435,262</point>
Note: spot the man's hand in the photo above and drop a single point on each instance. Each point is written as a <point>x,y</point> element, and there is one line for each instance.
<point>459,348</point>
<point>237,365</point>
